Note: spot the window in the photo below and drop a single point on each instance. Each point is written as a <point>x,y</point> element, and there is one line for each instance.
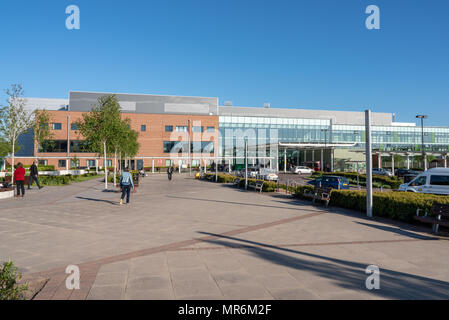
<point>143,128</point>
<point>42,162</point>
<point>74,163</point>
<point>53,146</point>
<point>210,129</point>
<point>419,181</point>
<point>57,126</point>
<point>168,146</point>
<point>168,128</point>
<point>79,146</point>
<point>108,163</point>
<point>439,180</point>
<point>74,126</point>
<point>181,129</point>
<point>62,163</point>
<point>168,163</point>
<point>90,163</point>
<point>197,129</point>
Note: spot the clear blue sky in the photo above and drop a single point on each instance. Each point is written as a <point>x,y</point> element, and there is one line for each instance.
<point>298,53</point>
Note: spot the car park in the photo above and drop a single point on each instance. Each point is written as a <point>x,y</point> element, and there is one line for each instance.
<point>434,181</point>
<point>334,182</point>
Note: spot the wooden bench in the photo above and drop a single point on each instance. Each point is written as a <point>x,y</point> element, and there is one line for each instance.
<point>258,185</point>
<point>440,216</point>
<point>319,193</point>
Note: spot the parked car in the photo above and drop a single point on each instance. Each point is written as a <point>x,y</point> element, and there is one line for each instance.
<point>406,172</point>
<point>315,165</point>
<point>382,172</point>
<point>333,182</point>
<point>435,181</point>
<point>268,174</point>
<point>302,170</point>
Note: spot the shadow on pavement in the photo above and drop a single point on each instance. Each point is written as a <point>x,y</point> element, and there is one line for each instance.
<point>345,274</point>
<point>397,231</point>
<point>238,203</point>
<point>97,200</point>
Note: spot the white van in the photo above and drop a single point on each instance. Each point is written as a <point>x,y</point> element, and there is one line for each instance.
<point>434,181</point>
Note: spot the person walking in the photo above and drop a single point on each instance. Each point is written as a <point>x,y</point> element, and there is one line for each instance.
<point>126,181</point>
<point>19,177</point>
<point>170,172</point>
<point>34,173</point>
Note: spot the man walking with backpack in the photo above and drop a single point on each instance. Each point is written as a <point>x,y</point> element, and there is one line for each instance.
<point>126,181</point>
<point>34,172</point>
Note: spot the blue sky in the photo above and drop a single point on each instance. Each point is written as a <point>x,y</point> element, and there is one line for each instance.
<point>298,53</point>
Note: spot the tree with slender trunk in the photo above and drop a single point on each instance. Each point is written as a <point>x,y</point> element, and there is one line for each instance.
<point>41,129</point>
<point>98,127</point>
<point>15,120</point>
<point>123,138</point>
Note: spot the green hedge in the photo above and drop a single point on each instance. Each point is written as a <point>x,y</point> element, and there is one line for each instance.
<point>268,186</point>
<point>396,205</point>
<point>40,168</point>
<point>65,180</point>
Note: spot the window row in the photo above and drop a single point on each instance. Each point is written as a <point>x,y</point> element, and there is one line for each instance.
<point>182,147</point>
<point>186,129</point>
<point>60,146</point>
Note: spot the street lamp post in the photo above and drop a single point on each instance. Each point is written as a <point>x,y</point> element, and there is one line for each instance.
<point>325,136</point>
<point>246,164</point>
<point>325,146</point>
<point>189,158</point>
<point>424,160</point>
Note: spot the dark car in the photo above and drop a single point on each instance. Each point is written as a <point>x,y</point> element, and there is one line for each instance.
<point>333,182</point>
<point>406,172</point>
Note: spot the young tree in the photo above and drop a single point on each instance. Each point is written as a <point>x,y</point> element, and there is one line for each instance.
<point>5,148</point>
<point>124,141</point>
<point>98,126</point>
<point>14,119</point>
<point>41,128</point>
<point>130,146</point>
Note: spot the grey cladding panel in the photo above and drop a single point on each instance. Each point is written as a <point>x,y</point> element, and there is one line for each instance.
<point>83,101</point>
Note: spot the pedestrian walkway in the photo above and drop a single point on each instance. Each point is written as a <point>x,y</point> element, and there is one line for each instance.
<point>190,239</point>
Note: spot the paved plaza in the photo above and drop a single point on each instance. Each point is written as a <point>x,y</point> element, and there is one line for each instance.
<point>190,239</point>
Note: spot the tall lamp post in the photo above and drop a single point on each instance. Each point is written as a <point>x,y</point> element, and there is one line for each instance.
<point>424,160</point>
<point>325,146</point>
<point>325,136</point>
<point>190,155</point>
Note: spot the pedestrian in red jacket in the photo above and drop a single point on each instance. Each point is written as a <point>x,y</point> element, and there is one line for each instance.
<point>19,177</point>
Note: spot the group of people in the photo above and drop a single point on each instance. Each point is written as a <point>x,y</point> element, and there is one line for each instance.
<point>19,178</point>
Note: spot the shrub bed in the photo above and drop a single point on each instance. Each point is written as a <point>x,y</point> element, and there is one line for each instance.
<point>395,205</point>
<point>40,168</point>
<point>65,180</point>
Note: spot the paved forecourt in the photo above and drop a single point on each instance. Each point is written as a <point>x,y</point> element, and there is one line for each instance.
<point>189,239</point>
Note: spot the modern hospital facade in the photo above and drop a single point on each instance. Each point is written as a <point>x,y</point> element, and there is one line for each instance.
<point>177,130</point>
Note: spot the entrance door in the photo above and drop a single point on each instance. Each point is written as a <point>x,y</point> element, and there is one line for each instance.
<point>139,164</point>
